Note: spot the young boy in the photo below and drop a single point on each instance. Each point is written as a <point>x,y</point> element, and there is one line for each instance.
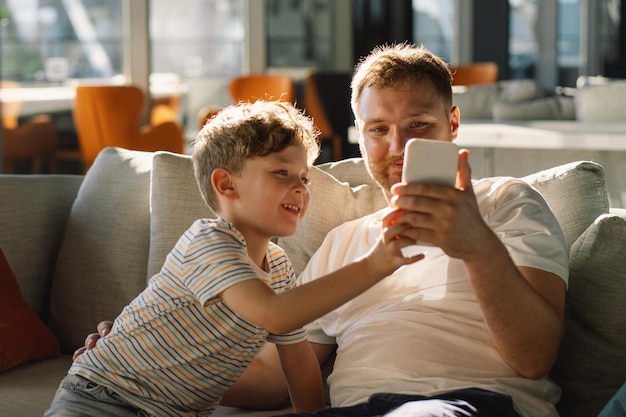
<point>225,288</point>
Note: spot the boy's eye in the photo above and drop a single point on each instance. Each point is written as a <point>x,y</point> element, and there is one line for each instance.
<point>282,172</point>
<point>305,180</point>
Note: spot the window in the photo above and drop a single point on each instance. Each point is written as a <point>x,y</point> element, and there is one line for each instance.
<point>299,34</point>
<point>51,41</point>
<point>433,26</point>
<point>197,38</point>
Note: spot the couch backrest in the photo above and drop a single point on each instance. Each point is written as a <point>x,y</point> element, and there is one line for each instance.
<point>133,206</point>
<point>102,262</point>
<point>33,213</point>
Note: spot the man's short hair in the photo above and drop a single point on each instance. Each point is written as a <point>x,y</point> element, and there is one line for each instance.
<point>398,64</point>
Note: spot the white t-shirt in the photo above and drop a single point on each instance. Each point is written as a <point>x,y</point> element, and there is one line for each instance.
<point>421,330</point>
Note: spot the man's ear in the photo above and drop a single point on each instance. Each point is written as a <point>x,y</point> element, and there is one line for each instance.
<point>223,183</point>
<point>455,120</point>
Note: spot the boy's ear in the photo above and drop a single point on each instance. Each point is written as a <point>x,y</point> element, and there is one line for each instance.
<point>222,182</point>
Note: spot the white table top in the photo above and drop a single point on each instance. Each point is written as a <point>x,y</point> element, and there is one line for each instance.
<point>556,134</point>
<point>61,98</point>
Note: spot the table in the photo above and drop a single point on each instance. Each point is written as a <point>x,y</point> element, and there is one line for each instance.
<point>548,134</point>
<point>47,100</point>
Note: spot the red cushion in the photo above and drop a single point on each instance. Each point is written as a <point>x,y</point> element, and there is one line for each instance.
<point>23,336</point>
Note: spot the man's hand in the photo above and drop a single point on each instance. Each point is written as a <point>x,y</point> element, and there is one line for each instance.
<point>447,217</point>
<point>103,328</point>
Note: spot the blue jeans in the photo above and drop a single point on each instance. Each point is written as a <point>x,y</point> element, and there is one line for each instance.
<point>79,397</point>
<point>616,407</point>
<point>472,402</point>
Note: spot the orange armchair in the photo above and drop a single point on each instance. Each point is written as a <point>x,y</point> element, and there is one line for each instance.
<point>109,116</point>
<point>262,87</point>
<point>475,73</point>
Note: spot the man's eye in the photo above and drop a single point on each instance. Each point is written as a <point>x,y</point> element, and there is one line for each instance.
<point>419,124</point>
<point>378,129</point>
<point>281,172</point>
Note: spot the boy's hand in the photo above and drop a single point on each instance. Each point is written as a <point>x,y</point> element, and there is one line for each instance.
<point>386,256</point>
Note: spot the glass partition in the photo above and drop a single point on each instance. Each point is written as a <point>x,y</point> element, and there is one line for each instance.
<point>299,34</point>
<point>433,26</point>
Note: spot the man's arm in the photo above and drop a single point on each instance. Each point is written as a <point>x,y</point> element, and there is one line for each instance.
<point>304,379</point>
<point>262,385</point>
<point>523,309</point>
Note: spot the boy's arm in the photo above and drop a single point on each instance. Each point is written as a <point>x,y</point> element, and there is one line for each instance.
<point>303,375</point>
<point>282,313</point>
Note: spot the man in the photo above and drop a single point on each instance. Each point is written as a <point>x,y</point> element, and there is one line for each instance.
<point>474,327</point>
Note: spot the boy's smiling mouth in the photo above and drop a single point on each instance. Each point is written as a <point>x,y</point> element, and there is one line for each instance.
<point>292,207</point>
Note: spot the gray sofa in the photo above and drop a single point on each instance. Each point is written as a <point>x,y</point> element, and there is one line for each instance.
<point>82,247</point>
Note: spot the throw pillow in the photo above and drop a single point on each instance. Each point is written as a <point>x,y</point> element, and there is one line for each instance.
<point>595,320</point>
<point>23,336</point>
<point>172,174</point>
<point>332,203</point>
<point>102,262</point>
<point>582,179</point>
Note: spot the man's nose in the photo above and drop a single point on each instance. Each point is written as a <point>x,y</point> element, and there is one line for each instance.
<point>397,140</point>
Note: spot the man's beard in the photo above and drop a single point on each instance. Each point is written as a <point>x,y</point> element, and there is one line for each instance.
<point>380,171</point>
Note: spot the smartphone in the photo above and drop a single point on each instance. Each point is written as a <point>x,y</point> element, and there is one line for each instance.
<point>430,161</point>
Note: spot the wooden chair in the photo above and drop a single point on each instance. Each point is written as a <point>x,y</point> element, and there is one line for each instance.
<point>474,73</point>
<point>10,109</point>
<point>262,87</point>
<point>327,101</point>
<point>109,116</point>
<point>165,107</point>
<point>34,141</point>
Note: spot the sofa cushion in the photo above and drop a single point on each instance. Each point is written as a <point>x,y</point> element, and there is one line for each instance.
<point>582,179</point>
<point>591,102</point>
<point>172,216</point>
<point>592,362</point>
<point>172,174</point>
<point>23,336</point>
<point>103,258</point>
<point>333,202</point>
<point>546,108</point>
<point>36,211</point>
<point>477,101</point>
<point>27,390</point>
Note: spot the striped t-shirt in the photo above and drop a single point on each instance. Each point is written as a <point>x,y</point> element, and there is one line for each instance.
<point>177,347</point>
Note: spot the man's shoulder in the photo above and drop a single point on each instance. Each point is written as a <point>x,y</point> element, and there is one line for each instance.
<point>493,191</point>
